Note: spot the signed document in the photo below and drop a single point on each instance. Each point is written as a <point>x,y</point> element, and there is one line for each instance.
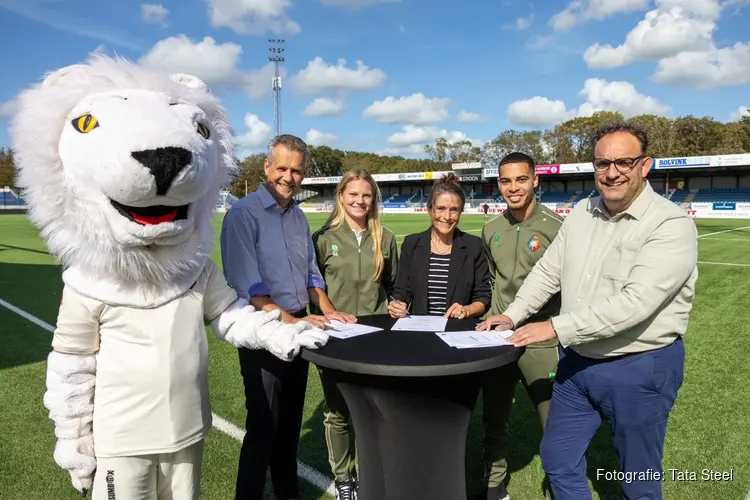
<point>469,339</point>
<point>341,330</point>
<point>421,324</point>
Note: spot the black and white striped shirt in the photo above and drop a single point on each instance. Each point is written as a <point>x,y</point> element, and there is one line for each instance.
<point>437,284</point>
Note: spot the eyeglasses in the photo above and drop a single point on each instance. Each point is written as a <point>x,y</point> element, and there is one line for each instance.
<point>623,165</point>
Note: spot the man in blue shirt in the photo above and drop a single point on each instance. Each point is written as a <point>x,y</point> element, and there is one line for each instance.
<point>269,258</point>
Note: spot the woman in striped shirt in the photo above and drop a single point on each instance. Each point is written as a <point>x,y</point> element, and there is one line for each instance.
<point>443,270</point>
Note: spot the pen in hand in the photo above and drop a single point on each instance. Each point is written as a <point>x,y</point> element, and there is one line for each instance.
<point>406,306</point>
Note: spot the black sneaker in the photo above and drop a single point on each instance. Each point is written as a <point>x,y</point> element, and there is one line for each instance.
<point>345,490</point>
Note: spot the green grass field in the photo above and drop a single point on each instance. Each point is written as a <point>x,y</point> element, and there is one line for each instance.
<point>709,429</point>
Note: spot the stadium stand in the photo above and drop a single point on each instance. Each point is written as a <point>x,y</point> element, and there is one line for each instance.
<point>9,199</point>
<point>708,186</point>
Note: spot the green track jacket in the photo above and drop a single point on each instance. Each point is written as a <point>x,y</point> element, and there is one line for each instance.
<point>513,249</point>
<point>347,269</point>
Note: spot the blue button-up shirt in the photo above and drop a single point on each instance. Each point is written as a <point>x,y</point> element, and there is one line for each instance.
<point>268,250</point>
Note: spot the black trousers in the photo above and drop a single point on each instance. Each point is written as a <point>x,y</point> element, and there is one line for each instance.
<point>275,399</point>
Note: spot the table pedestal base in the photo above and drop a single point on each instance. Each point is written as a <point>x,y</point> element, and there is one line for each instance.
<point>411,434</point>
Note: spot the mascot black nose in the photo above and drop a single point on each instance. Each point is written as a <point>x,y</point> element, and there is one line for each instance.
<point>164,164</point>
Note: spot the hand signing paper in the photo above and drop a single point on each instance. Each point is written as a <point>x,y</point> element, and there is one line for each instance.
<point>397,309</point>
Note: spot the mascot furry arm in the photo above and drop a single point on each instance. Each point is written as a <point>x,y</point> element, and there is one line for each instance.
<point>121,168</point>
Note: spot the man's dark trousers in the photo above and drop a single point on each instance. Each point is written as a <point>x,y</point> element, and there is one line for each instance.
<point>275,399</point>
<point>635,394</point>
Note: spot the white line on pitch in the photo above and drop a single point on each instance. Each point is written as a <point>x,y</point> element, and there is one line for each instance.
<point>723,263</point>
<point>306,472</point>
<point>724,231</point>
<point>727,239</point>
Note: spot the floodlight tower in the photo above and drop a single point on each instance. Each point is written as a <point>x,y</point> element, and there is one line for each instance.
<point>276,58</point>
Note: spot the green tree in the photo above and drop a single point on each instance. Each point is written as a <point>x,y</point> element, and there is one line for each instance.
<point>453,152</point>
<point>251,175</point>
<point>7,169</point>
<point>660,134</point>
<point>509,141</point>
<point>696,136</point>
<point>324,161</point>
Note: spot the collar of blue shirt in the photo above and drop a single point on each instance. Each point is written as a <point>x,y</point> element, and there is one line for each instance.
<point>267,199</point>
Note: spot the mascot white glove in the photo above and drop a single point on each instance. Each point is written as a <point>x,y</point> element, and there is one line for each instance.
<point>70,400</point>
<point>243,326</point>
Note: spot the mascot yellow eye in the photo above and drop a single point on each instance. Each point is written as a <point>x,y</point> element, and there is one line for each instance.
<point>203,130</point>
<point>85,124</point>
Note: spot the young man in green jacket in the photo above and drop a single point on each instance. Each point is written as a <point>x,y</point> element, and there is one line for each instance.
<point>515,241</point>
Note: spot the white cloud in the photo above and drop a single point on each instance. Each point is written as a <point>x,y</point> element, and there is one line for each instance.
<point>538,111</point>
<point>415,109</point>
<point>739,113</point>
<point>599,95</point>
<point>257,134</point>
<point>318,138</point>
<point>709,9</point>
<point>619,96</point>
<point>7,108</point>
<point>521,23</point>
<point>679,35</point>
<point>215,63</point>
<point>323,106</point>
<point>252,17</point>
<point>414,138</point>
<point>705,70</point>
<point>466,117</point>
<point>580,11</point>
<point>663,33</point>
<point>318,76</point>
<point>154,13</point>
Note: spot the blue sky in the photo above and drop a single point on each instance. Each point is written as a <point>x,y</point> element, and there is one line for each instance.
<point>389,76</point>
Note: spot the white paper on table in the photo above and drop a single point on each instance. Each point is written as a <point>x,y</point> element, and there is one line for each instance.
<point>469,339</point>
<point>421,323</point>
<point>341,330</point>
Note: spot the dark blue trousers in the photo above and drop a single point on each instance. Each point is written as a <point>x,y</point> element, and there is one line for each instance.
<point>635,394</point>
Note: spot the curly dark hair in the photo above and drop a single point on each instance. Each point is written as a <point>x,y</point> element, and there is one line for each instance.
<point>621,126</point>
<point>446,184</point>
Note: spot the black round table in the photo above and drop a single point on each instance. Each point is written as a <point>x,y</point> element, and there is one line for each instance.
<point>410,396</point>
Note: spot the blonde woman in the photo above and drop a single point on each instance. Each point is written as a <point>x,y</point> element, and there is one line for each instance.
<point>358,259</point>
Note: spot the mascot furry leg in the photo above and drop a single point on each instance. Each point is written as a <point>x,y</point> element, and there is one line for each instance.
<point>121,168</point>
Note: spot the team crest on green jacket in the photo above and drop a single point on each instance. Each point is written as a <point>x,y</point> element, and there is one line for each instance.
<point>534,244</point>
<point>497,239</point>
<point>335,250</point>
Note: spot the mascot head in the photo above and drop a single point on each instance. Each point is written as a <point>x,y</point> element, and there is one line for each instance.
<point>121,167</point>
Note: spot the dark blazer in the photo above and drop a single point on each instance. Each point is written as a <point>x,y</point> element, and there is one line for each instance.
<point>468,276</point>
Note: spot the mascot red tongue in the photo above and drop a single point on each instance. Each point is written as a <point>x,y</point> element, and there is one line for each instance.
<point>127,385</point>
<point>157,219</point>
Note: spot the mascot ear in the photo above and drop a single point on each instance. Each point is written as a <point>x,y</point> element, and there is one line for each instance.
<point>190,81</point>
<point>53,77</point>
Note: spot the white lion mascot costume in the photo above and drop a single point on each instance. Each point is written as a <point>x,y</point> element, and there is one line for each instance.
<point>121,169</point>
